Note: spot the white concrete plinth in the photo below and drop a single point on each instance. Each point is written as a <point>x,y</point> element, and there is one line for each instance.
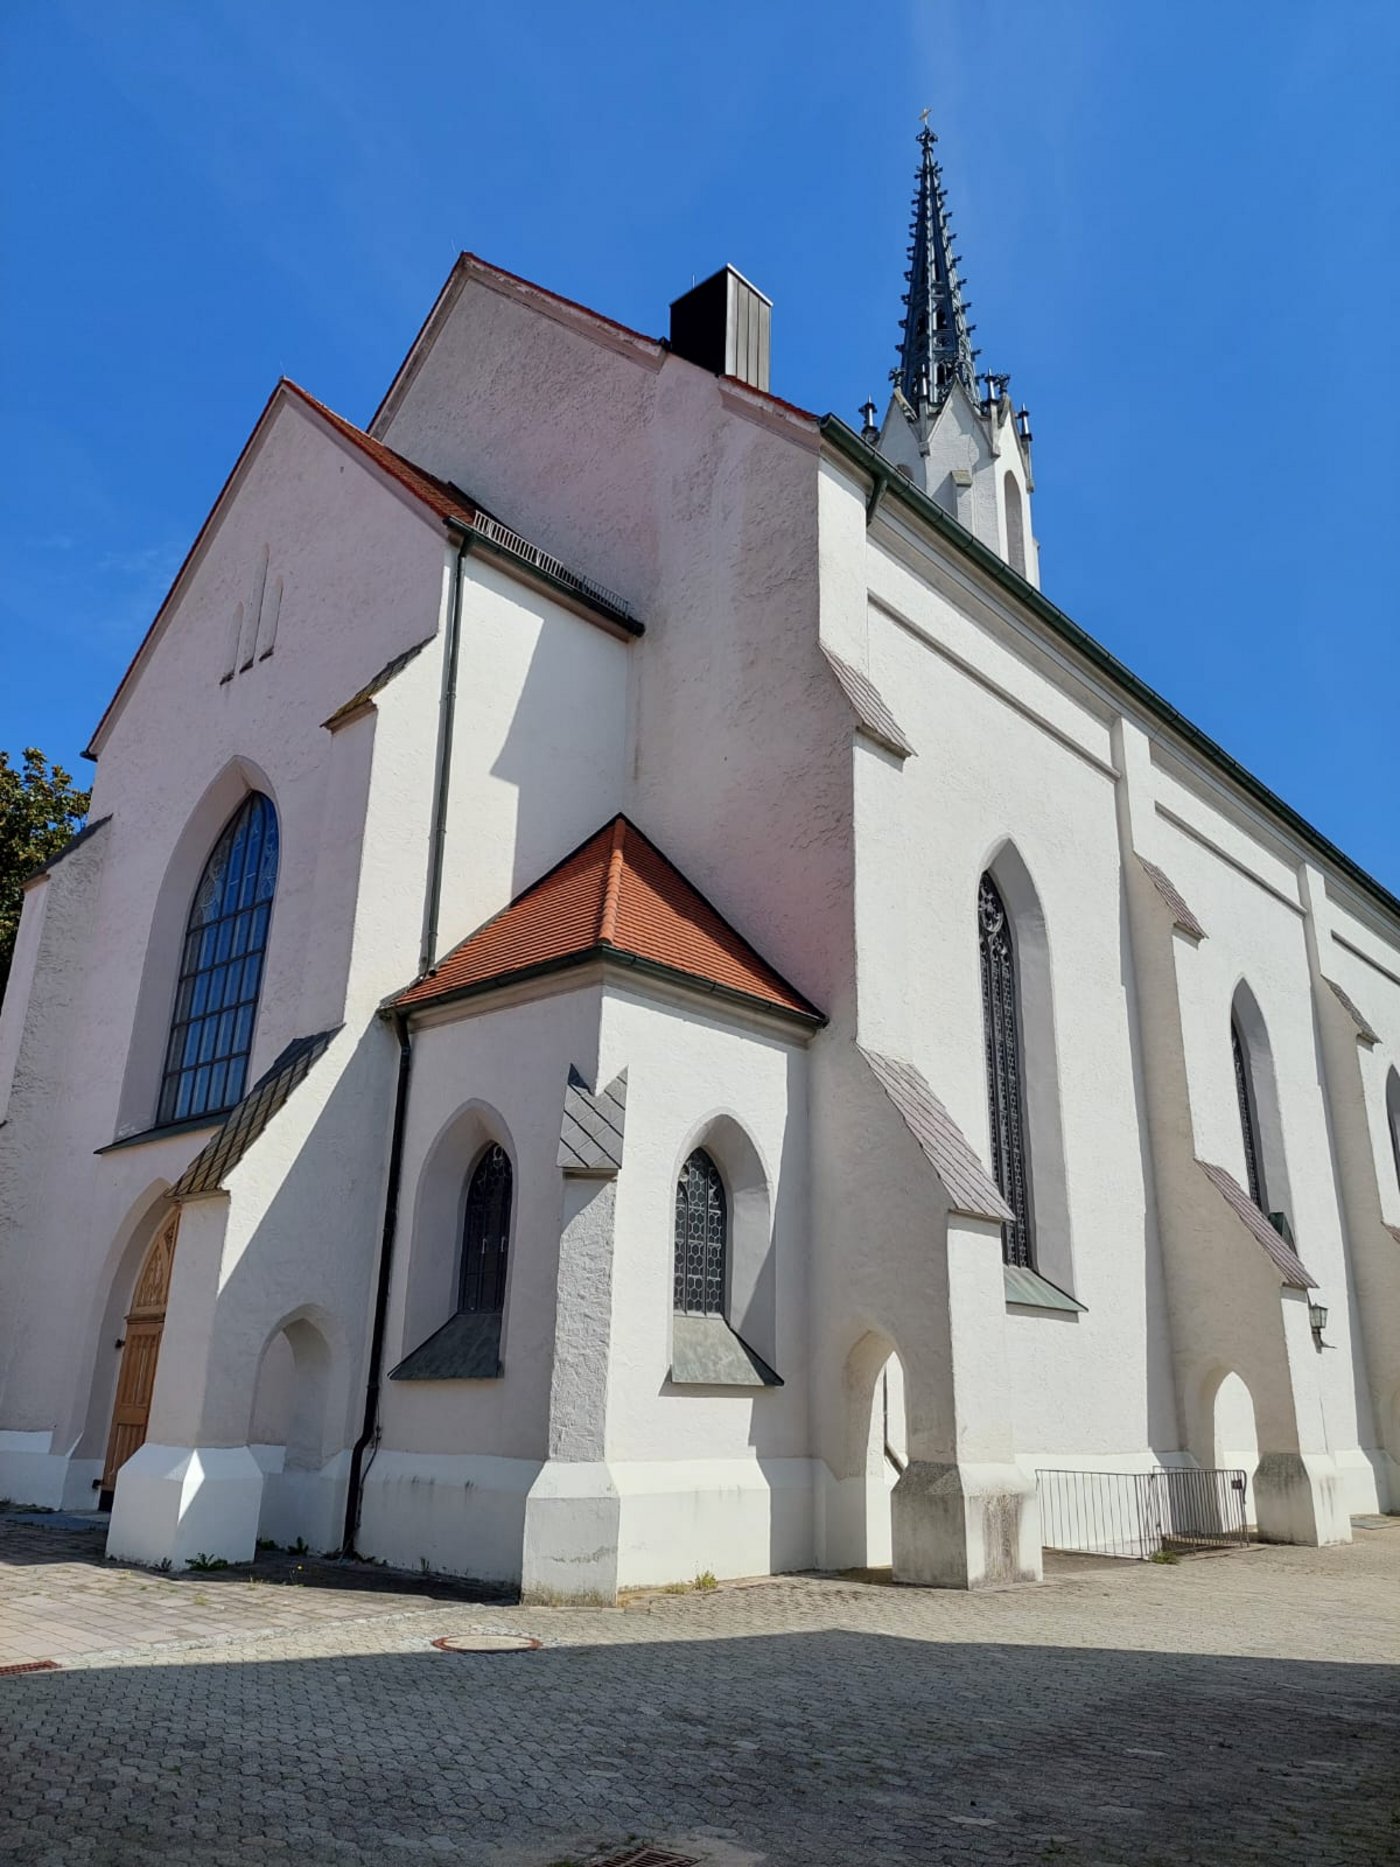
<point>572,1523</point>
<point>1300,1497</point>
<point>175,1502</point>
<point>31,1472</point>
<point>460,1514</point>
<point>300,1504</point>
<point>965,1526</point>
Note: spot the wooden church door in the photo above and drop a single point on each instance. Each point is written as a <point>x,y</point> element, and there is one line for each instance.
<point>140,1347</point>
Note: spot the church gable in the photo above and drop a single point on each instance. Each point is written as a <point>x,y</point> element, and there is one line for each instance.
<point>310,532</point>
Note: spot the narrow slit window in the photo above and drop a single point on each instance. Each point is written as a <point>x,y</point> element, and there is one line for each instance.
<point>1249,1125</point>
<point>1006,1101</point>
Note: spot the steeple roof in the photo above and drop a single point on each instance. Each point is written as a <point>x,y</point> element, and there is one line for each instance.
<point>936,350</point>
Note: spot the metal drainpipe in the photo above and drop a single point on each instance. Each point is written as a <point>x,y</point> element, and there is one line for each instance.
<point>428,952</point>
<point>381,1295</point>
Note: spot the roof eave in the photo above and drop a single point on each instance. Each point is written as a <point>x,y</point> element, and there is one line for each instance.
<point>890,482</point>
<point>604,953</point>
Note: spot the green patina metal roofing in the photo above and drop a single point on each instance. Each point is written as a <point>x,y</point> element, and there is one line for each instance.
<point>889,482</point>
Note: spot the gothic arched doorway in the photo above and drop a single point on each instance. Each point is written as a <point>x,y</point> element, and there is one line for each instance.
<point>136,1381</point>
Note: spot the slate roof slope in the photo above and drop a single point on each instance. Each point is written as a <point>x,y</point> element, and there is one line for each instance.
<point>1244,1209</point>
<point>970,1188</point>
<point>359,702</point>
<point>868,705</point>
<point>1365,1032</point>
<point>74,842</point>
<point>247,1119</point>
<point>591,1132</point>
<point>1182,916</point>
<point>618,898</point>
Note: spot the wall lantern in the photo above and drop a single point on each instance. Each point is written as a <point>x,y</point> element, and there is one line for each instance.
<point>1317,1316</point>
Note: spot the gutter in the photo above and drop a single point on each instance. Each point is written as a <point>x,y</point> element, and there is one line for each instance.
<point>847,443</point>
<point>369,1430</point>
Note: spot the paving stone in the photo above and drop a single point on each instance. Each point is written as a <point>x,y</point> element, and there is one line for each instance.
<point>1239,1709</point>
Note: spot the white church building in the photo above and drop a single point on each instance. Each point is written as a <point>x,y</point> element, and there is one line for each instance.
<point>636,1000</point>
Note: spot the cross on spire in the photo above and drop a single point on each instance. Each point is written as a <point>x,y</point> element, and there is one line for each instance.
<point>936,350</point>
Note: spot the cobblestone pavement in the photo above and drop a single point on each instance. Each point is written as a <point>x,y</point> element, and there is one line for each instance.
<point>1243,1708</point>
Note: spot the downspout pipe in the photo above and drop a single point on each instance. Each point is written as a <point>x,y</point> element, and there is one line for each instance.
<point>432,908</point>
<point>370,1424</point>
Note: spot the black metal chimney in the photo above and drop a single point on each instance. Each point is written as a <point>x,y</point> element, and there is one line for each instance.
<point>725,324</point>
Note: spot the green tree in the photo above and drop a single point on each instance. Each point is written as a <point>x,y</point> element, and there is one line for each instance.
<point>40,809</point>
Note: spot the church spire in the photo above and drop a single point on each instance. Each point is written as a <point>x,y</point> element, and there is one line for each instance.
<point>937,347</point>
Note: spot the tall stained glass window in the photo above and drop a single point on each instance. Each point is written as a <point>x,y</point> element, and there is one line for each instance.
<point>486,1233</point>
<point>1001,1021</point>
<point>221,968</point>
<point>702,1238</point>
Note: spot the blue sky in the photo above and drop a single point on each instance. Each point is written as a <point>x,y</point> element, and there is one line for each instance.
<point>1180,227</point>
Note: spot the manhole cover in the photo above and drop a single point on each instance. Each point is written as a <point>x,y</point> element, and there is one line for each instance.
<point>650,1857</point>
<point>487,1643</point>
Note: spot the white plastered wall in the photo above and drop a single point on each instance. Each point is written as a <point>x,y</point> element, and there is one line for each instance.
<point>1006,755</point>
<point>362,578</point>
<point>709,1479</point>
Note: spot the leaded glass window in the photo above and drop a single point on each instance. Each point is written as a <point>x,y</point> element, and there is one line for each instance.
<point>221,968</point>
<point>486,1233</point>
<point>1249,1129</point>
<point>702,1238</point>
<point>1001,1023</point>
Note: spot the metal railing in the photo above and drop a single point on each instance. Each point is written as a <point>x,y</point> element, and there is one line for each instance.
<point>1138,1515</point>
<point>519,547</point>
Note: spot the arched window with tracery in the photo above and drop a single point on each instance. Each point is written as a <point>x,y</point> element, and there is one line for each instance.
<point>486,1233</point>
<point>221,968</point>
<point>1006,1100</point>
<point>702,1238</point>
<point>1249,1118</point>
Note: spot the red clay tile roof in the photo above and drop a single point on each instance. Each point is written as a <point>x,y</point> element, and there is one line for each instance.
<point>448,501</point>
<point>615,897</point>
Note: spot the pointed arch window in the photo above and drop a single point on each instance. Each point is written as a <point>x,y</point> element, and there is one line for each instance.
<point>221,968</point>
<point>1001,1022</point>
<point>486,1233</point>
<point>702,1238</point>
<point>1392,1103</point>
<point>1249,1121</point>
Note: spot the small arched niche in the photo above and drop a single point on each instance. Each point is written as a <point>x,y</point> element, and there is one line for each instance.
<point>1029,1026</point>
<point>1234,1434</point>
<point>876,1426</point>
<point>1261,1151</point>
<point>433,1286</point>
<point>290,1397</point>
<point>1015,523</point>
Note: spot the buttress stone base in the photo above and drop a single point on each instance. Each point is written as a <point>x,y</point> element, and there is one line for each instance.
<point>176,1502</point>
<point>965,1526</point>
<point>1299,1497</point>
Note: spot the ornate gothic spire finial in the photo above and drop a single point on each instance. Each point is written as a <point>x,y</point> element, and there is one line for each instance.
<point>936,350</point>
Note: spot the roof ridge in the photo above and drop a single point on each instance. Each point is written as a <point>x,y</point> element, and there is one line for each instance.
<point>612,886</point>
